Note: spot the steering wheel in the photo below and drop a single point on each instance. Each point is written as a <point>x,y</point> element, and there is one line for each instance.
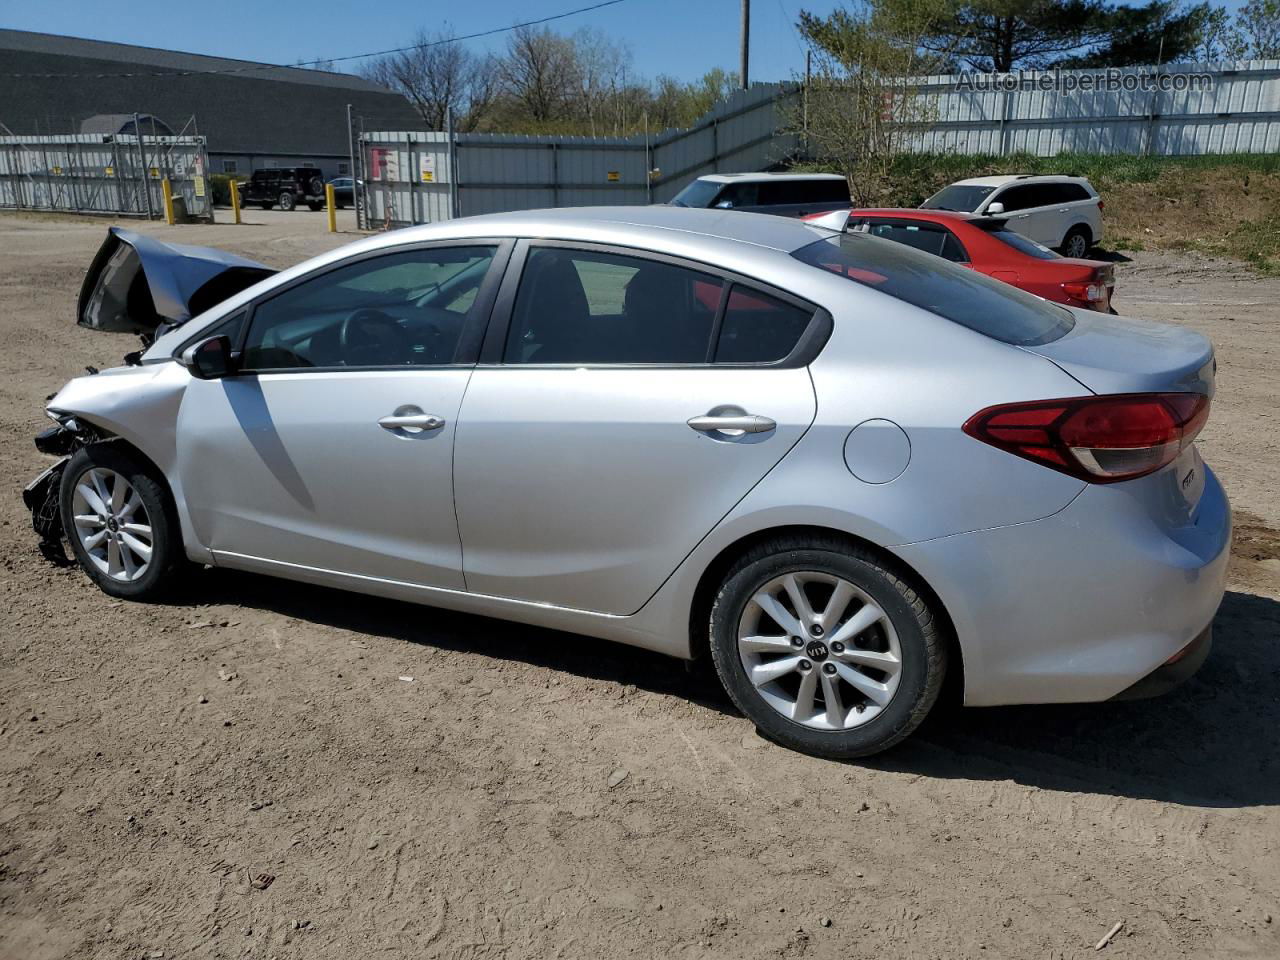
<point>368,329</point>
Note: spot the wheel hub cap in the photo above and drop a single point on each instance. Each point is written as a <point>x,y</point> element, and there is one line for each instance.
<point>848,670</point>
<point>112,524</point>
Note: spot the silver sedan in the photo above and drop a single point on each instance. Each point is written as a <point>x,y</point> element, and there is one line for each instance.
<point>845,471</point>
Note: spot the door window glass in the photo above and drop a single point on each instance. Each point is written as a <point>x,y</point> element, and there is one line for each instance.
<point>758,328</point>
<point>1017,198</point>
<point>395,310</point>
<point>578,306</point>
<point>738,195</point>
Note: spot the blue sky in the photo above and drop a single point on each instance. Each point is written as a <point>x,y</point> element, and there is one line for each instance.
<point>684,38</point>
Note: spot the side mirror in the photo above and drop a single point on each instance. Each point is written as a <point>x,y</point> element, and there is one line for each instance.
<point>994,208</point>
<point>724,205</point>
<point>208,359</point>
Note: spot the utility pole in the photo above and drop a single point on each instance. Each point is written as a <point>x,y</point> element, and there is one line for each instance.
<point>746,43</point>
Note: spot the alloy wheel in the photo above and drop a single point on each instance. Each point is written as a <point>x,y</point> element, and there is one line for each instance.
<point>112,524</point>
<point>819,650</point>
<point>1077,246</point>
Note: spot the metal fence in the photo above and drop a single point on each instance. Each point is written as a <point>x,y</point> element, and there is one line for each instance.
<point>93,173</point>
<point>423,177</point>
<point>1234,109</point>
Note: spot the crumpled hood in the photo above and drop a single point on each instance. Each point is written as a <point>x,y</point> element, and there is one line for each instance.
<point>136,282</point>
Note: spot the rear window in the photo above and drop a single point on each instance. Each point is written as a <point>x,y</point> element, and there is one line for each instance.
<point>962,198</point>
<point>970,299</point>
<point>779,192</point>
<point>1024,245</point>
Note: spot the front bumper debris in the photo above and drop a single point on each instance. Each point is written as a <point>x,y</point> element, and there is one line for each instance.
<point>42,497</point>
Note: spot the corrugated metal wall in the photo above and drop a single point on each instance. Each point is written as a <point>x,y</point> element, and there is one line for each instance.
<point>497,172</point>
<point>87,173</point>
<point>1237,111</point>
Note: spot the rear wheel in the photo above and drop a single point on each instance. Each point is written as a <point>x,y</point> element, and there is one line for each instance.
<point>314,205</point>
<point>1077,242</point>
<point>826,648</point>
<point>121,522</point>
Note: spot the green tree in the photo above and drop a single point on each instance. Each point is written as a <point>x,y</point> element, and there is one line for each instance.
<point>1162,31</point>
<point>1258,24</point>
<point>861,105</point>
<point>1004,35</point>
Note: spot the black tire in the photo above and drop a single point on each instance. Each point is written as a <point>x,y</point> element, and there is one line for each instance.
<point>314,205</point>
<point>287,201</point>
<point>923,649</point>
<point>168,557</point>
<point>315,187</point>
<point>1073,241</point>
<point>266,204</point>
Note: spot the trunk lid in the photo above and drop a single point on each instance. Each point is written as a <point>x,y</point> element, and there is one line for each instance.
<point>1110,354</point>
<point>137,283</point>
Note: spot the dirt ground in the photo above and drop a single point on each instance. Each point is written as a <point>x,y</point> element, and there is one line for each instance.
<point>534,794</point>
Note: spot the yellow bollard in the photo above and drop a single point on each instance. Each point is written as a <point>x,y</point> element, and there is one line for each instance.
<point>333,207</point>
<point>166,188</point>
<point>235,200</point>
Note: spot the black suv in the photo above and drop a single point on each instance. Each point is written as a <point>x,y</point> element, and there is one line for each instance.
<point>287,186</point>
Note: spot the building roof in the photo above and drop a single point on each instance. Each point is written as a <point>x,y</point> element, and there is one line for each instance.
<point>53,84</point>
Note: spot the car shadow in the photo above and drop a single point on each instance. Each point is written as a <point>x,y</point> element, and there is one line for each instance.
<point>1107,256</point>
<point>1210,743</point>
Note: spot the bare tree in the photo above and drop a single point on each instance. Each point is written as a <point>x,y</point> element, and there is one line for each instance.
<point>600,71</point>
<point>439,75</point>
<point>539,72</point>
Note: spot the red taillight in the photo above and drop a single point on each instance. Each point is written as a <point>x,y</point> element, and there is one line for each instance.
<point>1087,291</point>
<point>1101,205</point>
<point>1099,439</point>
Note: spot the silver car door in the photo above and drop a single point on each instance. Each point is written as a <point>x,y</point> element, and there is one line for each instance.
<point>629,405</point>
<point>331,447</point>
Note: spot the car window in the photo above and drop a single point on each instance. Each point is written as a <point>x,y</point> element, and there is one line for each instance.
<point>758,328</point>
<point>399,309</point>
<point>922,236</point>
<point>700,193</point>
<point>1024,244</point>
<point>964,198</point>
<point>1021,197</point>
<point>1072,192</point>
<point>738,195</point>
<point>581,306</point>
<point>997,310</point>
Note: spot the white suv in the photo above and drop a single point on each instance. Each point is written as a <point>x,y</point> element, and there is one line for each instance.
<point>783,194</point>
<point>1061,212</point>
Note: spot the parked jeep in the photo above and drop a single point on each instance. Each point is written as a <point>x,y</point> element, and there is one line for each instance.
<point>286,186</point>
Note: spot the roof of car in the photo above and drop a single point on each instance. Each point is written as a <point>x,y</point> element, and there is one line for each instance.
<point>739,177</point>
<point>632,226</point>
<point>1000,181</point>
<point>913,212</point>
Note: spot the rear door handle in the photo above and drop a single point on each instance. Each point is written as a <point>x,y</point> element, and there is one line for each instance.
<point>412,421</point>
<point>747,423</point>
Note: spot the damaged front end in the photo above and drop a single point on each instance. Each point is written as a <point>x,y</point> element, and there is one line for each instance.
<point>43,495</point>
<point>135,284</point>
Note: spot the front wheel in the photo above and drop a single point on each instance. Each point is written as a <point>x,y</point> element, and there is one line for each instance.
<point>121,523</point>
<point>287,201</point>
<point>826,648</point>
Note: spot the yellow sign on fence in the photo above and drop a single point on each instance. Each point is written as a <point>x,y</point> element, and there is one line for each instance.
<point>614,176</point>
<point>110,171</point>
<point>198,182</point>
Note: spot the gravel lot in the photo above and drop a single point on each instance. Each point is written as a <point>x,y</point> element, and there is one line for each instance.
<point>155,758</point>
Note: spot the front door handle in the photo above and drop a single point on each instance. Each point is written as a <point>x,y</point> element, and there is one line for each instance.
<point>412,421</point>
<point>746,423</point>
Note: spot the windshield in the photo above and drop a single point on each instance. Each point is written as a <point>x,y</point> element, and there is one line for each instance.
<point>700,193</point>
<point>956,197</point>
<point>1024,245</point>
<point>970,299</point>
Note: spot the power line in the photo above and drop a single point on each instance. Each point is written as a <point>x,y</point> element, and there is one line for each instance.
<point>250,68</point>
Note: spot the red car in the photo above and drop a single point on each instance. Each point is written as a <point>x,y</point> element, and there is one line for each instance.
<point>986,245</point>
